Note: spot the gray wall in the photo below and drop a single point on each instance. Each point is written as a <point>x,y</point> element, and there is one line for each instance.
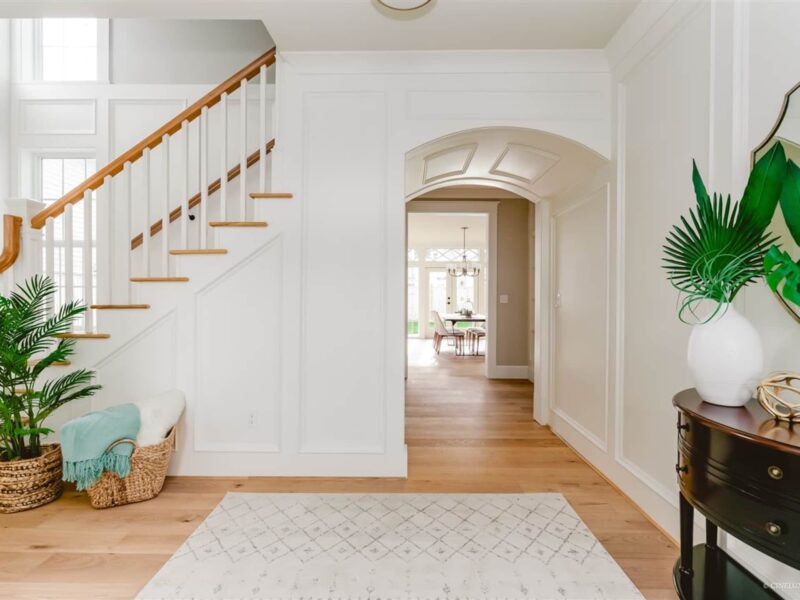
<point>512,279</point>
<point>183,51</point>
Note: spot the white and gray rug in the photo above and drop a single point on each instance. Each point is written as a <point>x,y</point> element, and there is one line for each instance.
<point>391,547</point>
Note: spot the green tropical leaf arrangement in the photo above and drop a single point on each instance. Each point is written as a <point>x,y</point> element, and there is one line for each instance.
<point>781,270</point>
<point>720,247</point>
<point>28,346</point>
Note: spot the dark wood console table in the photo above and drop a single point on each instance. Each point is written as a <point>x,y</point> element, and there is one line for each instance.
<point>741,469</point>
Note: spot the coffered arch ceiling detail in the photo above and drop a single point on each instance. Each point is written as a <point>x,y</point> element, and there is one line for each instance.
<point>533,163</point>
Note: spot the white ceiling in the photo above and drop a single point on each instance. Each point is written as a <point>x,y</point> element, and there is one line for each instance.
<point>445,24</point>
<point>443,230</point>
<point>365,25</point>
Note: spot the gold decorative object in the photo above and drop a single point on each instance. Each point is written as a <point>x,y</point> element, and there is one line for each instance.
<point>774,393</point>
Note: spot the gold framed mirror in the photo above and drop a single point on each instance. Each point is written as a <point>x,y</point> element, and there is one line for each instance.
<point>787,131</point>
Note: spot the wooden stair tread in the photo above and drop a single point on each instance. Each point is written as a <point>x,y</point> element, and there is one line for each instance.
<point>86,335</point>
<point>159,279</point>
<point>237,224</point>
<point>198,251</point>
<point>119,306</point>
<point>267,195</point>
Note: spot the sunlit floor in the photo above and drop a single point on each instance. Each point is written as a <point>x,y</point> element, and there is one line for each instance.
<point>467,433</point>
<point>422,354</point>
<point>464,432</point>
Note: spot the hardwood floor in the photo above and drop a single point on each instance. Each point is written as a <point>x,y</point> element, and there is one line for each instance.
<point>464,434</point>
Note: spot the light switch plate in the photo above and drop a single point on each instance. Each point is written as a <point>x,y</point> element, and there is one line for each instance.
<point>503,298</point>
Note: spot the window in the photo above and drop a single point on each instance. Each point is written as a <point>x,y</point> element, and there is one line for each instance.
<point>67,50</point>
<point>57,176</point>
<point>413,255</point>
<point>413,301</point>
<point>451,255</point>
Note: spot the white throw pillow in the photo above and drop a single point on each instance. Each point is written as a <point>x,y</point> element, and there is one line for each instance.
<point>159,414</point>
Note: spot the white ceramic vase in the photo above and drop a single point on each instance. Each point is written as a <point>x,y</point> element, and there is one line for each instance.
<point>726,358</point>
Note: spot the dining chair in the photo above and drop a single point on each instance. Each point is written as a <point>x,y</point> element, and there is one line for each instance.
<point>441,332</point>
<point>474,337</point>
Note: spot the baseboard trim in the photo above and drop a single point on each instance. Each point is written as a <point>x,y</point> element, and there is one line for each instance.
<point>508,372</point>
<point>610,482</point>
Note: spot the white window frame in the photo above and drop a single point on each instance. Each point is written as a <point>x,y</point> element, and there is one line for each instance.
<point>36,157</point>
<point>31,54</point>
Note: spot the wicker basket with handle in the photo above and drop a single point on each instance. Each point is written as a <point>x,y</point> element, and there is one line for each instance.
<point>145,480</point>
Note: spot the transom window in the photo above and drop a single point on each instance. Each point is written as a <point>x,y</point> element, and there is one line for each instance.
<point>67,50</point>
<point>451,255</point>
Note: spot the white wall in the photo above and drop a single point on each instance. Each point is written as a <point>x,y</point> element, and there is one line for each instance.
<point>176,51</point>
<point>345,125</point>
<point>5,114</point>
<point>691,80</point>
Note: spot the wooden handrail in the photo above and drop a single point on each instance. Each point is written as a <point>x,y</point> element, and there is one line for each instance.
<point>154,139</point>
<point>12,227</point>
<point>215,185</point>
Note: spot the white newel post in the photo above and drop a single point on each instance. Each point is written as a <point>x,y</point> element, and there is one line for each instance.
<point>30,260</point>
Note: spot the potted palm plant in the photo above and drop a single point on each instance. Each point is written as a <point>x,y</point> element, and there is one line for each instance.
<point>709,258</point>
<point>30,471</point>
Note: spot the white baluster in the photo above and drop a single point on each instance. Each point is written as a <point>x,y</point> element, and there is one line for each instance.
<point>223,168</point>
<point>68,281</point>
<point>105,241</point>
<point>165,208</point>
<point>185,188</point>
<point>243,151</point>
<point>87,259</point>
<point>49,253</point>
<point>127,204</point>
<point>204,177</point>
<point>262,140</point>
<point>146,201</point>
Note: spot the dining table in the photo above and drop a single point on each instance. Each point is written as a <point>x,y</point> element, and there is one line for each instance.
<point>456,318</point>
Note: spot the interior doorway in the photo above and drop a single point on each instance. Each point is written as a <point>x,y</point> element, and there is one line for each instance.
<point>448,272</point>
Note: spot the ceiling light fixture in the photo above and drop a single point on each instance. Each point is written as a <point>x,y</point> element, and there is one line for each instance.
<point>404,5</point>
<point>466,269</point>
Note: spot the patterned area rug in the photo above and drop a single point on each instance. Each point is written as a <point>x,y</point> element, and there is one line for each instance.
<point>391,547</point>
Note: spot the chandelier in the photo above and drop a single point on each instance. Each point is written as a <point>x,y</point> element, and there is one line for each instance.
<point>465,270</point>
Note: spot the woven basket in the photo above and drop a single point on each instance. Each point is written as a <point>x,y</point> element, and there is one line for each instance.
<point>30,483</point>
<point>148,470</point>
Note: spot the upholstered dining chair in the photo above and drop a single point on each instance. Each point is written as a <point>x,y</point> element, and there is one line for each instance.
<point>474,335</point>
<point>441,332</point>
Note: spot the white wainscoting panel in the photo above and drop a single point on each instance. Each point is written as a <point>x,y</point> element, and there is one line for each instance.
<point>238,324</point>
<point>128,118</point>
<point>153,351</point>
<point>666,119</point>
<point>580,238</point>
<point>513,105</point>
<point>343,395</point>
<point>57,117</point>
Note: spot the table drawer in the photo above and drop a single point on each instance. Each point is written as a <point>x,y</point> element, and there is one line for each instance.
<point>765,523</point>
<point>752,465</point>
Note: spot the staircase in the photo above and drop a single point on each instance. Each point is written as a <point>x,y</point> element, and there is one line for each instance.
<point>185,207</point>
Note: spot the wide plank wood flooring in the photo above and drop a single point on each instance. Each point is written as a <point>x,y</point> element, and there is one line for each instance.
<point>464,434</point>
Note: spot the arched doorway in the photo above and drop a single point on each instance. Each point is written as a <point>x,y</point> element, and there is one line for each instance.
<point>529,163</point>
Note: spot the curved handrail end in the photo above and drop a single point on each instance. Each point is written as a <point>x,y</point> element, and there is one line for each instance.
<point>12,233</point>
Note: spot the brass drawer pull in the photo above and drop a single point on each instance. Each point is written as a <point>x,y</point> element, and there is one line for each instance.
<point>775,472</point>
<point>773,529</point>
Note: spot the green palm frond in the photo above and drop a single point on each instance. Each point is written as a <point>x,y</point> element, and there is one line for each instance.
<point>720,247</point>
<point>28,326</point>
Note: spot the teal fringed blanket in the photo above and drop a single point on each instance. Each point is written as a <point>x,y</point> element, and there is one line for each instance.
<point>84,441</point>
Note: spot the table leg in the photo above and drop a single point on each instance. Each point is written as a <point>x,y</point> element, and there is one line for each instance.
<point>711,535</point>
<point>687,525</point>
